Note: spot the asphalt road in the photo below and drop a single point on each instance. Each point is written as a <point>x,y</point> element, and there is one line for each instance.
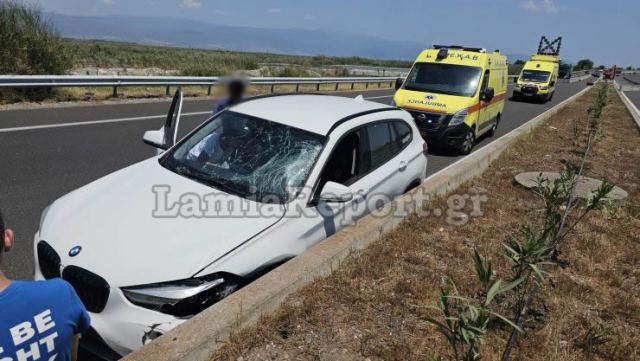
<point>47,153</point>
<point>634,96</point>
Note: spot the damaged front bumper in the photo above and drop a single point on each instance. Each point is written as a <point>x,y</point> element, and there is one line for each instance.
<point>121,327</point>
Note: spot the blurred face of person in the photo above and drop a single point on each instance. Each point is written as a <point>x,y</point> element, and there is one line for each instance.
<point>236,90</point>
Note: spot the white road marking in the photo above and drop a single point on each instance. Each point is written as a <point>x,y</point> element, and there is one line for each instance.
<point>117,120</point>
<point>92,122</point>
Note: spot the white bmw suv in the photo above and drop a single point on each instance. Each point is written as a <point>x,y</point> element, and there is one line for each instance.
<point>155,243</point>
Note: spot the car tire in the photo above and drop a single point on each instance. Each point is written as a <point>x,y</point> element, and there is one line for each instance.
<point>468,142</point>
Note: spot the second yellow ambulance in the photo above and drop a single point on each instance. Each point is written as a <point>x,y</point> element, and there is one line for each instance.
<point>455,94</point>
<point>538,78</point>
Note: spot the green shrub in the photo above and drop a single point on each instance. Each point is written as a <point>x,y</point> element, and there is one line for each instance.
<point>29,44</point>
<point>292,72</point>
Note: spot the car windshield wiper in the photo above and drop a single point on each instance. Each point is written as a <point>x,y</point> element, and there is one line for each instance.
<point>196,176</point>
<point>224,186</point>
<point>427,90</point>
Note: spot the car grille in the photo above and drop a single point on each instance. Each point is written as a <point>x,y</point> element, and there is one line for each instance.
<point>92,289</point>
<point>428,122</point>
<point>530,90</point>
<point>49,260</point>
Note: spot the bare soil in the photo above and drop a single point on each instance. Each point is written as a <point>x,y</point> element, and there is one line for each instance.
<point>375,305</point>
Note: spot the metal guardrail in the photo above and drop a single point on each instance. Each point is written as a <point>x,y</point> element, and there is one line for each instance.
<point>54,81</point>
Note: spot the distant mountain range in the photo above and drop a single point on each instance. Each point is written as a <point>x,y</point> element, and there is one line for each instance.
<point>203,35</point>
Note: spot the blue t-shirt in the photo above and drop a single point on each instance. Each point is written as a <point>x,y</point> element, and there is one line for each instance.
<point>38,320</point>
<point>222,104</point>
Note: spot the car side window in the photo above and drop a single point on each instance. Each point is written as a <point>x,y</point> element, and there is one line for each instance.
<point>402,134</point>
<point>347,161</point>
<point>485,81</point>
<point>382,144</point>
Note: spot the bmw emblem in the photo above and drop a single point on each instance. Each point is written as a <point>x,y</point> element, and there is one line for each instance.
<point>75,251</point>
<point>422,117</point>
<point>430,97</point>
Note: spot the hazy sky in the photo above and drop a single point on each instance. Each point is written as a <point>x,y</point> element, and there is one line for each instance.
<point>606,31</point>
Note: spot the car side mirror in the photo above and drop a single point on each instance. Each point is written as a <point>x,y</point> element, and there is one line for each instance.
<point>399,82</point>
<point>487,94</point>
<point>155,138</point>
<point>333,192</point>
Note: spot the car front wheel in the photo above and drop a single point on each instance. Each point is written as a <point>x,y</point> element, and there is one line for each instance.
<point>468,142</point>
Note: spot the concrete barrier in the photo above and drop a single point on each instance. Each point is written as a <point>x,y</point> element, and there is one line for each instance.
<point>635,113</point>
<point>200,337</point>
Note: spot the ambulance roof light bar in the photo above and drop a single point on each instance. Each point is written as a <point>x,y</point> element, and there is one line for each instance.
<point>459,47</point>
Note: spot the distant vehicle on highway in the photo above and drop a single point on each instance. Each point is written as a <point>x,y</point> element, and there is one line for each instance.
<point>455,94</point>
<point>153,244</point>
<point>540,74</point>
<point>538,78</point>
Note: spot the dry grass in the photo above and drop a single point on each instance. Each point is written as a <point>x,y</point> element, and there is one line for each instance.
<point>374,306</point>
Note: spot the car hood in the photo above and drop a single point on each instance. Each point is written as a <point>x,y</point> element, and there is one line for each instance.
<point>431,102</point>
<point>112,220</point>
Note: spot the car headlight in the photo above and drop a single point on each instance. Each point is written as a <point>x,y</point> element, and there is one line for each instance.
<point>544,87</point>
<point>183,298</point>
<point>459,117</point>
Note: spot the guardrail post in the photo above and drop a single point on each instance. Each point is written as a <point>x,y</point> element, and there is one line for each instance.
<point>318,87</point>
<point>337,84</point>
<point>272,87</point>
<point>379,85</point>
<point>115,91</point>
<point>297,88</point>
<point>367,85</point>
<point>353,85</point>
<point>168,90</point>
<point>209,90</point>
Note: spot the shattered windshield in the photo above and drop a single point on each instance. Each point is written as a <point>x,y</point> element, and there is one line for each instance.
<point>536,76</point>
<point>247,156</point>
<point>443,79</point>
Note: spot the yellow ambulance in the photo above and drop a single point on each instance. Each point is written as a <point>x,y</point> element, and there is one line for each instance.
<point>538,78</point>
<point>455,94</point>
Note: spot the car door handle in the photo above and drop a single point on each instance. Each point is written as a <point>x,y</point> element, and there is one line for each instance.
<point>403,165</point>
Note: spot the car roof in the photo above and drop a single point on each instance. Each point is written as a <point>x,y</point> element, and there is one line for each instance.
<point>314,113</point>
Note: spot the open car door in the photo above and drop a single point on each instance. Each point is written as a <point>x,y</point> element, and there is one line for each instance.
<point>165,137</point>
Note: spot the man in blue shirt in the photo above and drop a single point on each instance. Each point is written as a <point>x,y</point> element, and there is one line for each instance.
<point>235,91</point>
<point>38,320</point>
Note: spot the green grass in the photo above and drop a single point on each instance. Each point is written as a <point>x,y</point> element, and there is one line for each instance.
<point>198,62</point>
<point>29,44</point>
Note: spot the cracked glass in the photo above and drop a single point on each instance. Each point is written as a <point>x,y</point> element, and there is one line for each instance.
<point>250,157</point>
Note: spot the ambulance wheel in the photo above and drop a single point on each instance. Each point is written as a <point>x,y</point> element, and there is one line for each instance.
<point>468,142</point>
